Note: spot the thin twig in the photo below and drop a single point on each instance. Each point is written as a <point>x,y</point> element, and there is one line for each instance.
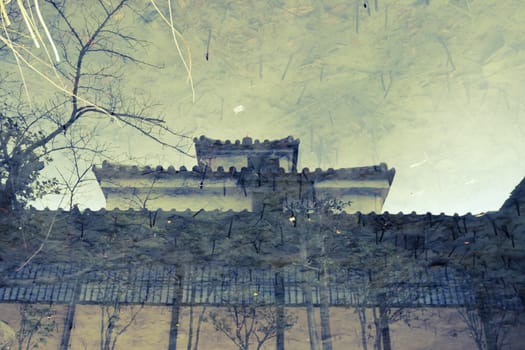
<point>44,242</point>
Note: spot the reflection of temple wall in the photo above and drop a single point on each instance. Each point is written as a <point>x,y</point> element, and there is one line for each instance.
<point>180,193</point>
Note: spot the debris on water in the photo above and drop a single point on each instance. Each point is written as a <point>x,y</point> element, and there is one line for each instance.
<point>239,109</point>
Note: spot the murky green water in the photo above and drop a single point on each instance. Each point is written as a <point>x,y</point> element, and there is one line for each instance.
<point>432,88</point>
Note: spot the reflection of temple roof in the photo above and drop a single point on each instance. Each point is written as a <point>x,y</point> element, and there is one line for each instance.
<point>248,143</point>
<point>366,187</point>
<point>366,173</point>
<point>242,175</point>
<point>286,150</point>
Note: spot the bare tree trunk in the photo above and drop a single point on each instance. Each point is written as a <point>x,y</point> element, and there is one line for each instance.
<point>190,328</point>
<point>326,334</point>
<point>310,315</point>
<point>361,311</point>
<point>198,332</point>
<point>70,317</point>
<point>175,311</point>
<point>279,302</point>
<point>385,329</point>
<point>107,331</point>
<point>490,338</point>
<point>308,299</point>
<point>201,318</point>
<point>486,317</point>
<point>377,324</point>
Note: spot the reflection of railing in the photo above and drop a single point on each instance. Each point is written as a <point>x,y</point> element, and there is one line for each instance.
<point>224,285</point>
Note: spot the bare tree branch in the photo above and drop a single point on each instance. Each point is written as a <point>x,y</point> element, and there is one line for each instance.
<point>91,89</point>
